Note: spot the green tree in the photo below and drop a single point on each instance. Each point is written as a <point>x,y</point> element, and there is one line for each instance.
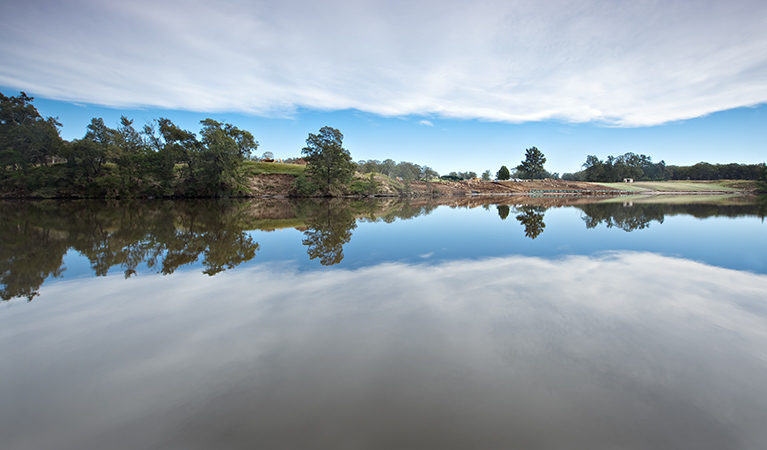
<point>407,171</point>
<point>762,178</point>
<point>303,186</point>
<point>133,162</point>
<point>532,166</point>
<point>594,169</point>
<point>369,166</point>
<point>328,163</point>
<point>179,146</point>
<point>26,138</point>
<point>224,148</point>
<point>486,176</point>
<point>503,174</point>
<point>86,158</point>
<point>387,167</point>
<point>427,173</point>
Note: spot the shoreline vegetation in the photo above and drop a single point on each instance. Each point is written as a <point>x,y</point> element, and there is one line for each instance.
<point>278,180</point>
<point>165,161</point>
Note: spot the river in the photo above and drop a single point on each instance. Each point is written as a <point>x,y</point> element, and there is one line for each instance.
<point>477,322</point>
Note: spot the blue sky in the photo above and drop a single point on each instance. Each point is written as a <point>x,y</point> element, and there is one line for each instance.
<point>448,84</point>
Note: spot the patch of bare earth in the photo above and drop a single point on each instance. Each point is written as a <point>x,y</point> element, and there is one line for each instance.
<point>469,187</point>
<point>271,184</point>
<point>279,185</point>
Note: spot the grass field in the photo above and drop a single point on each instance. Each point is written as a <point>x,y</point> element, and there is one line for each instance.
<point>676,186</point>
<point>255,168</point>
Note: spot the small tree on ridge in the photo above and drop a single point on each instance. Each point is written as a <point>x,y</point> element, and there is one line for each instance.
<point>503,174</point>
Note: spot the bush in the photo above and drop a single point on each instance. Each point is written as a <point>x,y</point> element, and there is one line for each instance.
<point>364,187</point>
<point>303,187</point>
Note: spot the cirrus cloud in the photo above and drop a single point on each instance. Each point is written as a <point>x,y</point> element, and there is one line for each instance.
<point>621,63</point>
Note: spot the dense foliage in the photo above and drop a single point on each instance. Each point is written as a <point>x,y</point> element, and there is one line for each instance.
<point>404,170</point>
<point>641,168</point>
<point>532,165</point>
<point>160,160</point>
<point>26,138</point>
<point>462,175</point>
<point>530,168</point>
<point>328,163</point>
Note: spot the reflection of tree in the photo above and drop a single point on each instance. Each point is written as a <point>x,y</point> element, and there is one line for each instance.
<point>503,211</point>
<point>627,218</point>
<point>390,211</point>
<point>165,235</point>
<point>34,237</point>
<point>330,222</point>
<point>216,233</point>
<point>29,253</point>
<point>532,219</point>
<point>330,226</point>
<point>638,216</point>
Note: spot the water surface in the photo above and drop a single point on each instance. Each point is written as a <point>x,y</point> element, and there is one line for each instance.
<point>485,323</point>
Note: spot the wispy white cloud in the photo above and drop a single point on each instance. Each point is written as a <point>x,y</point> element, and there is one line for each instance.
<point>426,122</point>
<point>624,63</point>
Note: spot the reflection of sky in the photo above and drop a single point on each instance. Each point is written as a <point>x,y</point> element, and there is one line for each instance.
<point>450,233</point>
<point>623,350</point>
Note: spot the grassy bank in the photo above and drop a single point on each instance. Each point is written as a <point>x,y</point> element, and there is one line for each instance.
<point>683,186</point>
<point>257,168</point>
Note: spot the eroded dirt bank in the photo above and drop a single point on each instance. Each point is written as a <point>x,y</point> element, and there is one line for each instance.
<point>279,185</point>
<point>468,187</point>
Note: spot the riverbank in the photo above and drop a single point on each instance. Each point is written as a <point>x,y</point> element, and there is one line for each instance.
<point>279,185</point>
<point>262,180</point>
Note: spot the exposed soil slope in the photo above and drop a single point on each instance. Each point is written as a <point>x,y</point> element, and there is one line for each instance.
<point>278,185</point>
<point>468,187</point>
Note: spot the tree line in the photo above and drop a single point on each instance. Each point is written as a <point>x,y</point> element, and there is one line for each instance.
<point>641,168</point>
<point>403,169</point>
<point>160,160</point>
<point>164,160</point>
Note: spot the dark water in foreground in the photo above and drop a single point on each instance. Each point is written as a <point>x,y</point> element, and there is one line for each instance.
<point>508,323</point>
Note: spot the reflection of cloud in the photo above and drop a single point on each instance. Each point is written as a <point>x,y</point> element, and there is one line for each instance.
<point>427,255</point>
<point>622,62</point>
<point>573,352</point>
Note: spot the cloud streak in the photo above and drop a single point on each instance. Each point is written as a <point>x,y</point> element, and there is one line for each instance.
<point>622,63</point>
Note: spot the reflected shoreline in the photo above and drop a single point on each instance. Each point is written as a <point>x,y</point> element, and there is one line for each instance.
<point>164,235</point>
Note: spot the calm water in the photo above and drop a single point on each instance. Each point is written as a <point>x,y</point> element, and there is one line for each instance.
<point>514,323</point>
